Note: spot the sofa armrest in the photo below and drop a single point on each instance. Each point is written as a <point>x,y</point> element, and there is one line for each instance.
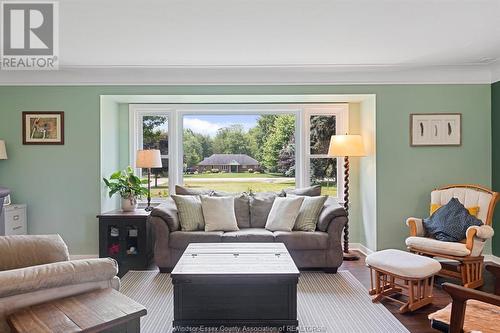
<point>29,279</point>
<point>167,211</point>
<point>161,236</point>
<point>334,253</point>
<point>416,226</point>
<point>336,228</point>
<point>30,250</point>
<point>329,213</point>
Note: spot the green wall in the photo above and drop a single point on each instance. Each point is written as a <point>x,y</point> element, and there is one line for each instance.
<point>495,152</point>
<point>61,185</point>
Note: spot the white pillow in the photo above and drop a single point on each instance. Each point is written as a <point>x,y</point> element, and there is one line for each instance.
<point>219,213</point>
<point>283,213</point>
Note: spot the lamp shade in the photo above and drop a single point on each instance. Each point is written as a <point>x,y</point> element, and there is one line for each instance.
<point>346,145</point>
<point>148,159</point>
<point>3,151</point>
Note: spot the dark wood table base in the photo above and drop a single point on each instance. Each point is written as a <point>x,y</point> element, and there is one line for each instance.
<point>235,286</point>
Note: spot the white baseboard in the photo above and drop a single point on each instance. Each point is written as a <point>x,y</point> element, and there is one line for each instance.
<point>83,256</point>
<point>361,248</point>
<point>492,258</point>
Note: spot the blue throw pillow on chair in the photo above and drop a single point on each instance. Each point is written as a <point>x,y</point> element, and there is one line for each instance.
<point>450,222</point>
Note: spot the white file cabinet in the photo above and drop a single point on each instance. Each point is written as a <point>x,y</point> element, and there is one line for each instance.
<point>13,220</point>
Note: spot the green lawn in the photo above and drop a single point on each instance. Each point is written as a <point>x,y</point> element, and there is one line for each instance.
<point>235,175</point>
<point>162,191</point>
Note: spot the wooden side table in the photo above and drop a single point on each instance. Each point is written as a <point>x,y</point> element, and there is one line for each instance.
<point>104,310</point>
<point>126,237</point>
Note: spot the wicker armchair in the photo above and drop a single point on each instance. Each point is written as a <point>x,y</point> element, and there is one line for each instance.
<point>467,252</point>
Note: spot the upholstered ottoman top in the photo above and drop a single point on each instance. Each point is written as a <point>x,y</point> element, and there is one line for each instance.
<point>403,263</point>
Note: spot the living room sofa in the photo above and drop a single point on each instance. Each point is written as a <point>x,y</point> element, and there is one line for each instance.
<point>318,249</point>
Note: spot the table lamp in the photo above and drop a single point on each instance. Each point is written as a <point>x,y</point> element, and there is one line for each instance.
<point>347,146</point>
<point>148,159</point>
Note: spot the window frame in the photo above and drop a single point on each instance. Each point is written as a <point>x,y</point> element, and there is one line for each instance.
<point>175,114</point>
<point>341,113</point>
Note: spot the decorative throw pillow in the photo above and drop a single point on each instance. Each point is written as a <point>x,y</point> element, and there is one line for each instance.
<point>311,191</point>
<point>190,212</point>
<point>309,213</point>
<point>450,222</point>
<point>241,207</point>
<point>472,210</point>
<point>182,190</point>
<point>219,213</point>
<point>260,206</point>
<point>283,214</point>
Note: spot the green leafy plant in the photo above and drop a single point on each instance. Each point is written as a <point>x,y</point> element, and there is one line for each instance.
<point>126,184</point>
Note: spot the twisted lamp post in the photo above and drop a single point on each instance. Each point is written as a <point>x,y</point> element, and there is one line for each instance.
<point>346,146</point>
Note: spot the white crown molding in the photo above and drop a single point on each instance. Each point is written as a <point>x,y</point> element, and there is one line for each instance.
<point>252,75</point>
<point>495,71</point>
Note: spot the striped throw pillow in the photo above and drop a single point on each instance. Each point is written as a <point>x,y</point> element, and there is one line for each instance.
<point>190,212</point>
<point>309,213</point>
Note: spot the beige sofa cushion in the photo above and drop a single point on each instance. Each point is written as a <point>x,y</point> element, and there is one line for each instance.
<point>29,279</point>
<point>190,212</point>
<point>23,251</point>
<point>181,239</point>
<point>249,235</point>
<point>302,240</point>
<point>284,213</point>
<point>218,213</point>
<point>403,263</point>
<point>436,246</point>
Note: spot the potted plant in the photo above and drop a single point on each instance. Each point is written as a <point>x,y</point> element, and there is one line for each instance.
<point>128,185</point>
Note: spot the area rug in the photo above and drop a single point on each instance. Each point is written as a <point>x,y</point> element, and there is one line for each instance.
<point>325,303</point>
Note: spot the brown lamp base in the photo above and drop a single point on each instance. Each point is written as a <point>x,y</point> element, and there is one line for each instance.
<point>350,256</point>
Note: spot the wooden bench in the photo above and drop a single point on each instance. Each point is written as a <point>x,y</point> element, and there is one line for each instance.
<point>104,310</point>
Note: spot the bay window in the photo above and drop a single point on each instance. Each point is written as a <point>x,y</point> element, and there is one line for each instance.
<point>239,147</point>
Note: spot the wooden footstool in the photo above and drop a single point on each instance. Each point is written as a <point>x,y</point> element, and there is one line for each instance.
<point>104,310</point>
<point>395,271</point>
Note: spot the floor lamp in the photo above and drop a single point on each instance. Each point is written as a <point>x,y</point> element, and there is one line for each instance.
<point>347,146</point>
<point>148,159</point>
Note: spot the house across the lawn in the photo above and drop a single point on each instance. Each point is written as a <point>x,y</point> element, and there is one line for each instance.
<point>228,163</point>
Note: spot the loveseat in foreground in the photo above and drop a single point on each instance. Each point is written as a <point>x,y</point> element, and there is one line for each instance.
<point>317,249</point>
<point>37,269</point>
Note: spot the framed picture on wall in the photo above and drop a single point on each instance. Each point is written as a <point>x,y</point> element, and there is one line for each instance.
<point>435,129</point>
<point>43,128</point>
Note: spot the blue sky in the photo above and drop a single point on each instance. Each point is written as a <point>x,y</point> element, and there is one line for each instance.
<point>210,124</point>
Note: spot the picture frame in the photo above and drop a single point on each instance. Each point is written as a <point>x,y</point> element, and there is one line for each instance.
<point>43,127</point>
<point>435,129</point>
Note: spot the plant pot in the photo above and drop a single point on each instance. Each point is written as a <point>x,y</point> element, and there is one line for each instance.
<point>129,204</point>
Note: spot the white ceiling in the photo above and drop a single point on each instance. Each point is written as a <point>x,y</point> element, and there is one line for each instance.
<point>384,36</point>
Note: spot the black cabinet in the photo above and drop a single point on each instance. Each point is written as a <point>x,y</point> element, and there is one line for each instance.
<point>126,237</point>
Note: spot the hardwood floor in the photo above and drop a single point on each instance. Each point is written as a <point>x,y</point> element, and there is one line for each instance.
<point>414,321</point>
